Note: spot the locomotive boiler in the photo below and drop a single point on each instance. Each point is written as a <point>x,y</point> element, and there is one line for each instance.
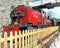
<point>23,17</point>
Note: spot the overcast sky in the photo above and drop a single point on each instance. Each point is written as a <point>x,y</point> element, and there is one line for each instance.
<point>55,12</point>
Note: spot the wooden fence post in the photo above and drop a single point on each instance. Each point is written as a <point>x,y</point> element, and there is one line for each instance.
<point>31,40</point>
<point>0,40</point>
<point>23,39</point>
<point>38,37</point>
<point>5,40</point>
<point>28,39</point>
<point>35,39</point>
<point>11,40</point>
<point>19,39</point>
<point>15,39</point>
<point>38,33</point>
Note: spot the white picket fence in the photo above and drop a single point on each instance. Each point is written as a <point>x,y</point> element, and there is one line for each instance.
<point>26,39</point>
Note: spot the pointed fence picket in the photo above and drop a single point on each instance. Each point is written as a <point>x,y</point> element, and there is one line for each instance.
<point>26,39</point>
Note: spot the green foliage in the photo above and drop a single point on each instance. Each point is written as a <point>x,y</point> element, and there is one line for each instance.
<point>58,20</point>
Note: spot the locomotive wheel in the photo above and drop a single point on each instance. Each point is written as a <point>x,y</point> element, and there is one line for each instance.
<point>30,28</point>
<point>39,25</point>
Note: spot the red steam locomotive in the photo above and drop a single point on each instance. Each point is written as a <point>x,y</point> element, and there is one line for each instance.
<point>23,17</point>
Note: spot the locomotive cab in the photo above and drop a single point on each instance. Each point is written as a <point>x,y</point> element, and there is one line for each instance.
<point>16,17</point>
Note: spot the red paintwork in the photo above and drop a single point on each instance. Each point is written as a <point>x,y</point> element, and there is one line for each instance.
<point>30,16</point>
<point>6,29</point>
<point>48,22</point>
<point>55,22</point>
<point>44,22</point>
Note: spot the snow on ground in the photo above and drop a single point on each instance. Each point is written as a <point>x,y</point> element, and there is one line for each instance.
<point>57,43</point>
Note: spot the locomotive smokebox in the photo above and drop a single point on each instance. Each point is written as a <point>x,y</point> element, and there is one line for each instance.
<point>16,14</point>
